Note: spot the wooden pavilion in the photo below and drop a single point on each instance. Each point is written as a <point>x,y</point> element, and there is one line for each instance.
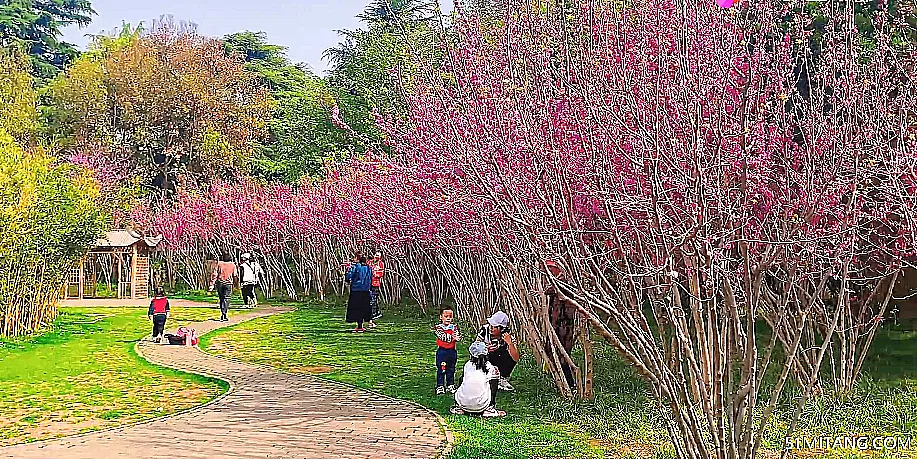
<point>119,263</point>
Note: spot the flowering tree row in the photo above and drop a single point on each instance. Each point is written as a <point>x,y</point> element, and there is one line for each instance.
<point>694,171</point>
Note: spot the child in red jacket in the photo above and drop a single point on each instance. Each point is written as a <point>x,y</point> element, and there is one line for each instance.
<point>158,313</point>
<point>446,356</point>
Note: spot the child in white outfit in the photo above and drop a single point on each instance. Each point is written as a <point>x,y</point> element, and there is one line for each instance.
<point>478,392</point>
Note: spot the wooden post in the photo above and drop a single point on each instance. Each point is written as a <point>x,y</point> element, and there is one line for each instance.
<point>134,271</point>
<point>142,273</point>
<point>79,293</point>
<point>120,275</point>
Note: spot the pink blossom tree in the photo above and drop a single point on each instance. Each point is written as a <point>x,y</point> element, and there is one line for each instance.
<point>665,155</point>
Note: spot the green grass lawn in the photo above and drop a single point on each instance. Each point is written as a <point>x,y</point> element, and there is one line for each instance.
<point>83,374</point>
<point>397,359</point>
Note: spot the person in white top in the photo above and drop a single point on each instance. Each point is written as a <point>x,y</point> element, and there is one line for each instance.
<point>478,392</point>
<point>250,277</point>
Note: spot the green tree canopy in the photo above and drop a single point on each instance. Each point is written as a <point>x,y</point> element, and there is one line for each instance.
<point>321,119</point>
<point>49,212</point>
<point>35,27</point>
<point>398,10</point>
<point>302,134</point>
<point>371,64</point>
<point>168,101</point>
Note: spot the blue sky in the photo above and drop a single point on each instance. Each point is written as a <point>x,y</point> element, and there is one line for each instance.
<point>306,27</point>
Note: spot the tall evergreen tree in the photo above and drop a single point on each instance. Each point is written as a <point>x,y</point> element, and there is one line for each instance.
<point>371,64</point>
<point>394,10</point>
<point>35,27</point>
<point>302,134</point>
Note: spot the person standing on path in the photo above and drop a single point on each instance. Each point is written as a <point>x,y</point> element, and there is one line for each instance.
<point>223,277</point>
<point>501,347</point>
<point>250,274</point>
<point>158,313</point>
<point>378,271</point>
<point>359,276</point>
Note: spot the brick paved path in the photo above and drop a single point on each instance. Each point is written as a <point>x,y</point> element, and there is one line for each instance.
<point>266,414</point>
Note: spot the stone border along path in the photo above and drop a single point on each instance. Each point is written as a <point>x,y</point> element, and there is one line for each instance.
<point>265,414</point>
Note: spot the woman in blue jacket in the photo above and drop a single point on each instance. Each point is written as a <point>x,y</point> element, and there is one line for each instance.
<point>360,278</point>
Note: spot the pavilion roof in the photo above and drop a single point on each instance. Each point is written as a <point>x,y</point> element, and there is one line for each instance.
<point>125,238</point>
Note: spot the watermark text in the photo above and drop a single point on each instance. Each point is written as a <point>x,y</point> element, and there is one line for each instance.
<point>855,442</point>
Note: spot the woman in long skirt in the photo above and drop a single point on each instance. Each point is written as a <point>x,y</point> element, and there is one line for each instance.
<point>360,278</point>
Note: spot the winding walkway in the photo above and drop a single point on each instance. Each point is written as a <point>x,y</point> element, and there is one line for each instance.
<point>265,414</point>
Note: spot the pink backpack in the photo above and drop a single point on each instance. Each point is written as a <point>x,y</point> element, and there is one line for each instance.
<point>187,333</point>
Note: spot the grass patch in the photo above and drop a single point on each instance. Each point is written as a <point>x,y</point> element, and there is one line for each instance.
<point>83,374</point>
<point>398,360</point>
